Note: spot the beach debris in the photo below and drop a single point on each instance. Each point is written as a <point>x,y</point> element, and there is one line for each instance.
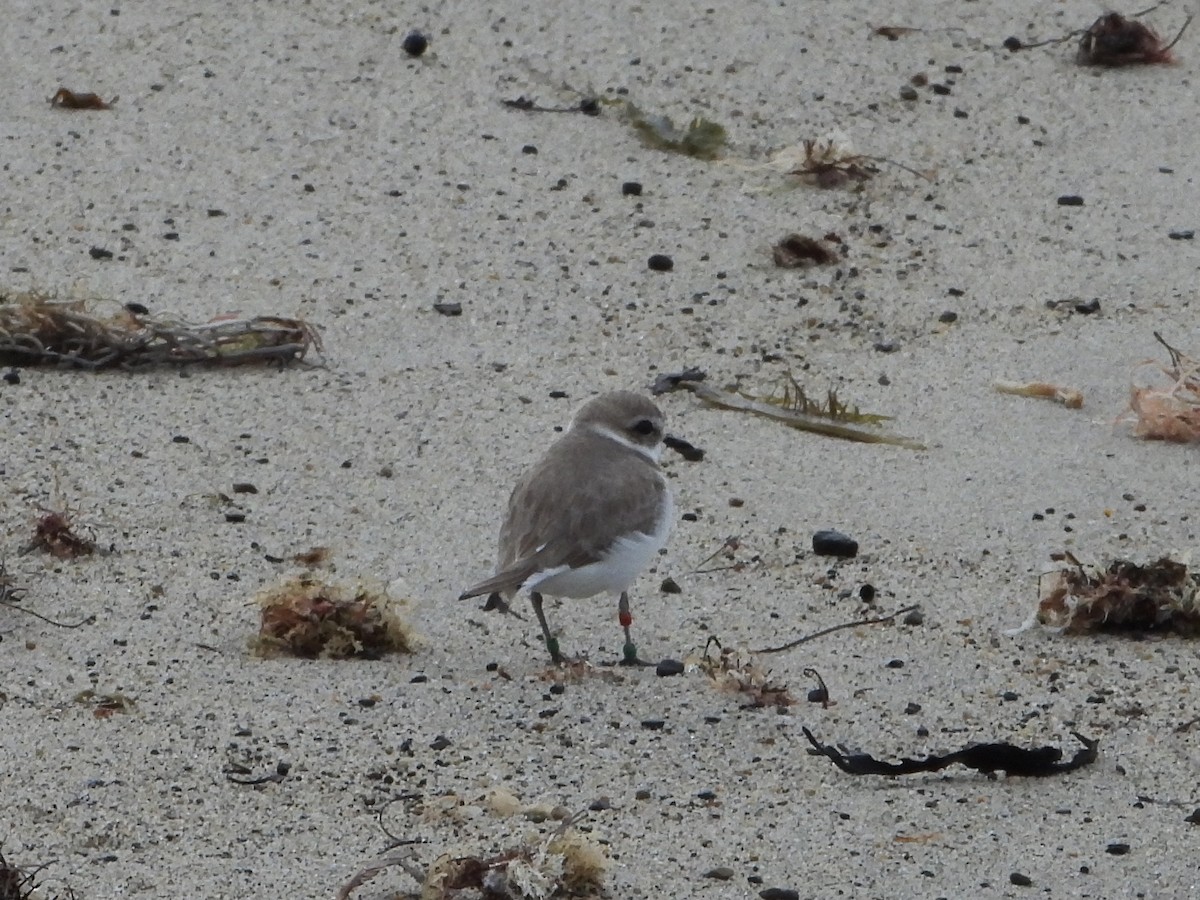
<point>1042,390</point>
<point>878,620</point>
<point>727,551</point>
<point>67,99</point>
<point>830,542</point>
<point>1113,40</point>
<point>54,534</point>
<point>1170,412</point>
<point>565,862</point>
<point>819,694</point>
<point>1124,596</point>
<point>738,672</point>
<point>309,618</point>
<point>103,706</point>
<point>588,106</point>
<point>11,596</point>
<point>789,403</point>
<point>830,162</point>
<point>17,883</point>
<point>669,381</point>
<point>313,557</point>
<point>38,330</point>
<point>798,251</point>
<point>701,138</point>
<point>893,32</point>
<point>240,773</point>
<point>1037,762</point>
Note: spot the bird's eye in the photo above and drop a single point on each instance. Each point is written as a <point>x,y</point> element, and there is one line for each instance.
<point>645,426</point>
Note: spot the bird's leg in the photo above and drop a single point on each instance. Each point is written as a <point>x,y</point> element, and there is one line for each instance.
<point>629,656</point>
<point>551,640</point>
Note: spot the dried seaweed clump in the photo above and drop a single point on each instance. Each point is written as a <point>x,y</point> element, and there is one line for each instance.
<point>735,673</point>
<point>702,138</point>
<point>55,534</point>
<point>831,162</point>
<point>1113,40</point>
<point>22,884</point>
<point>311,619</point>
<point>1126,596</point>
<point>37,330</point>
<point>799,251</point>
<point>1169,412</point>
<point>568,862</point>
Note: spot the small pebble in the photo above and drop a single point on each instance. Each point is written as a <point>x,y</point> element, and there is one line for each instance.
<point>670,586</point>
<point>886,347</point>
<point>1087,307</point>
<point>449,309</point>
<point>833,543</point>
<point>895,664</point>
<point>1181,235</point>
<point>908,92</point>
<point>866,593</point>
<point>654,724</point>
<point>1012,44</point>
<point>668,667</point>
<point>631,189</point>
<point>948,316</point>
<point>12,376</point>
<point>415,43</point>
<point>235,517</point>
<point>1020,880</point>
<point>912,709</point>
<point>1070,200</point>
<point>100,253</point>
<point>660,262</point>
<point>1117,849</point>
<point>779,894</point>
<point>818,695</point>
<point>529,150</point>
<point>720,873</point>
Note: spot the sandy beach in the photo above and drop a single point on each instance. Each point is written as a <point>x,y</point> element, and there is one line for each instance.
<point>292,160</point>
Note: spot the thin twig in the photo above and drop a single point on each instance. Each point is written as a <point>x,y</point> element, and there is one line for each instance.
<point>790,645</point>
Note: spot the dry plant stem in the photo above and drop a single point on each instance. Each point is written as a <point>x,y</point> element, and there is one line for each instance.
<point>791,645</point>
<point>798,420</point>
<point>373,868</point>
<point>1068,397</point>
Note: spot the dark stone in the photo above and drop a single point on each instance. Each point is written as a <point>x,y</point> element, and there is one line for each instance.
<point>448,309</point>
<point>1181,235</point>
<point>1086,308</point>
<point>1012,44</point>
<point>670,586</point>
<point>415,43</point>
<point>631,189</point>
<point>1070,200</point>
<point>1020,880</point>
<point>654,724</point>
<point>833,543</point>
<point>660,262</point>
<point>100,253</point>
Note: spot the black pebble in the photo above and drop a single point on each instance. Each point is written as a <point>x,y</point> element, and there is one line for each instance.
<point>886,347</point>
<point>448,309</point>
<point>1070,200</point>
<point>834,543</point>
<point>1117,849</point>
<point>818,695</point>
<point>631,189</point>
<point>660,262</point>
<point>948,316</point>
<point>654,724</point>
<point>12,376</point>
<point>1194,818</point>
<point>1181,235</point>
<point>940,89</point>
<point>670,586</point>
<point>895,664</point>
<point>589,106</point>
<point>415,43</point>
<point>866,593</point>
<point>181,439</point>
<point>1012,44</point>
<point>669,667</point>
<point>529,150</point>
<point>779,894</point>
<point>441,742</point>
<point>137,309</point>
<point>1020,880</point>
<point>100,253</point>
<point>916,617</point>
<point>235,517</point>
<point>1086,308</point>
<point>911,709</point>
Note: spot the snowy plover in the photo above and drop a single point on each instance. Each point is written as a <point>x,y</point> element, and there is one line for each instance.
<point>590,515</point>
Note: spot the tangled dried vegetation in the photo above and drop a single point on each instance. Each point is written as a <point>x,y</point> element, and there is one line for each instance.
<point>1170,411</point>
<point>308,618</point>
<point>38,330</point>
